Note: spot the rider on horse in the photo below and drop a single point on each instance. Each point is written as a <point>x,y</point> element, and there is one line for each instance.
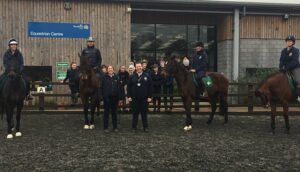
<point>199,63</point>
<point>14,54</point>
<point>93,54</point>
<point>289,60</point>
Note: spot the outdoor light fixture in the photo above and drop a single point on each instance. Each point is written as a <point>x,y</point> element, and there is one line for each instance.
<point>286,17</point>
<point>128,10</point>
<point>67,6</point>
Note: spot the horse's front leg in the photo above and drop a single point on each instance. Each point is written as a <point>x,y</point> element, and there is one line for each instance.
<point>187,101</point>
<point>286,118</point>
<point>9,113</point>
<point>94,103</point>
<point>85,103</point>
<point>18,119</point>
<point>273,114</point>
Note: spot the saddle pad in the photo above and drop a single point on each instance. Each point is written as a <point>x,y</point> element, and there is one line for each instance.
<point>207,81</point>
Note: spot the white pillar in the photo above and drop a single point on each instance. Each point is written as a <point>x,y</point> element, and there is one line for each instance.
<point>236,44</point>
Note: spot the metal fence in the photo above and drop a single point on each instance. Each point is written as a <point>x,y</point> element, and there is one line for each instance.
<point>242,91</point>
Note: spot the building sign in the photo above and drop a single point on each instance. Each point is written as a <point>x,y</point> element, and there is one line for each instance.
<point>62,64</point>
<point>60,75</point>
<point>58,30</point>
<point>41,89</point>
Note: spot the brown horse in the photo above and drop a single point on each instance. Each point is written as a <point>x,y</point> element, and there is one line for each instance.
<point>89,85</point>
<point>189,91</point>
<point>275,89</point>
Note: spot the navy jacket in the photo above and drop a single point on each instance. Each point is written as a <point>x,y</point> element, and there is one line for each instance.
<point>72,76</point>
<point>200,61</point>
<point>110,86</point>
<point>9,57</point>
<point>157,81</point>
<point>169,80</point>
<point>139,87</point>
<point>124,77</point>
<point>289,59</point>
<point>94,56</point>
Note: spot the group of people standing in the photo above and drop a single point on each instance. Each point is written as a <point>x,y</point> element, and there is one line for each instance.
<point>135,86</point>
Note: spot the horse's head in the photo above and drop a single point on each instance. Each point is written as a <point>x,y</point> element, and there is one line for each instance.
<point>13,69</point>
<point>85,66</point>
<point>171,66</point>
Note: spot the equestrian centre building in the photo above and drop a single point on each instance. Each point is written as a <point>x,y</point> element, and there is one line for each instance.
<point>238,35</point>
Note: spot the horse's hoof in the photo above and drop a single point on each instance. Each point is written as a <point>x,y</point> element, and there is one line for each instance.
<point>10,136</point>
<point>13,129</point>
<point>86,127</point>
<point>92,127</point>
<point>18,134</point>
<point>187,128</point>
<point>208,122</point>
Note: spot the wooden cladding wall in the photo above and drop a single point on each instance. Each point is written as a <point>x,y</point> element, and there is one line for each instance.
<point>268,27</point>
<point>110,25</point>
<point>225,27</point>
<point>259,27</point>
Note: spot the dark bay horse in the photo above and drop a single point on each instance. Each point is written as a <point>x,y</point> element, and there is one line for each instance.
<point>189,91</point>
<point>89,85</point>
<point>276,89</point>
<point>13,94</point>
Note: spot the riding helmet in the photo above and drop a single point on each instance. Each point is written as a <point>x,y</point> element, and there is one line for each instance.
<point>291,38</point>
<point>90,39</point>
<point>12,42</point>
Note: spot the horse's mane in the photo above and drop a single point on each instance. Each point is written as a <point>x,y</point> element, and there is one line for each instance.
<point>266,78</point>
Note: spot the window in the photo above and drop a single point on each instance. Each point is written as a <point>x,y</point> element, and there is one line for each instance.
<point>155,41</point>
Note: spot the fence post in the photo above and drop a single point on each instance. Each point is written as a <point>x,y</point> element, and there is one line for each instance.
<point>250,98</point>
<point>41,101</point>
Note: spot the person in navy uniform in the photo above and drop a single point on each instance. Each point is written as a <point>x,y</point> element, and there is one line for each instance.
<point>157,81</point>
<point>73,77</point>
<point>168,86</point>
<point>139,92</point>
<point>145,66</point>
<point>14,53</point>
<point>123,76</point>
<point>289,60</point>
<point>168,89</point>
<point>111,97</point>
<point>92,53</point>
<point>199,63</point>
